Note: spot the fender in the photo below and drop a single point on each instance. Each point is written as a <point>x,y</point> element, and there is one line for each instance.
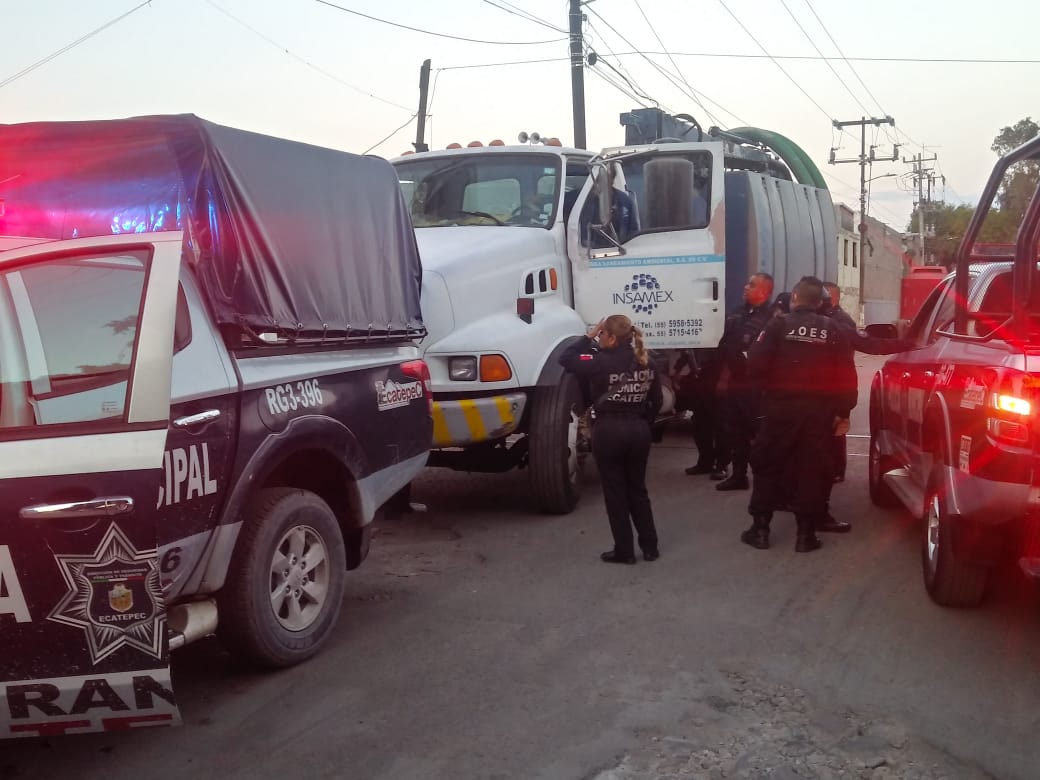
<point>302,433</point>
<point>552,372</point>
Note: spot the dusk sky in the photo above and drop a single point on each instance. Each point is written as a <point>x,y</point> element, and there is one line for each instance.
<point>307,70</point>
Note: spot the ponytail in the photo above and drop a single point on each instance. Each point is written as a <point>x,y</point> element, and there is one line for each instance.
<point>637,346</point>
<point>620,327</point>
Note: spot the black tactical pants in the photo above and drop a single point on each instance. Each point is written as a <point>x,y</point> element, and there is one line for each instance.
<point>793,458</point>
<point>621,447</point>
<point>740,419</point>
<point>708,433</point>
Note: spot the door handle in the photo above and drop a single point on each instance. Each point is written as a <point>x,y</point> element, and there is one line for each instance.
<point>929,375</point>
<point>105,507</point>
<point>714,289</point>
<point>197,419</point>
<point>906,375</point>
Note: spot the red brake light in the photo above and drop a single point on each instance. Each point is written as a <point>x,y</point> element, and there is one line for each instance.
<point>417,369</point>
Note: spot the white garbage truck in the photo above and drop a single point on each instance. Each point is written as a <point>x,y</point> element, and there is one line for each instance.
<point>517,261</point>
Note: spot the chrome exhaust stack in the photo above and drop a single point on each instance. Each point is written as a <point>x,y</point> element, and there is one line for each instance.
<point>191,621</point>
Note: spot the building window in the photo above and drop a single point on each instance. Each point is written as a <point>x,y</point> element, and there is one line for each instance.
<point>846,253</point>
<point>854,255</point>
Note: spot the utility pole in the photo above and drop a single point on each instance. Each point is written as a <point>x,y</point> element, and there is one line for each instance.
<point>420,124</point>
<point>920,174</point>
<point>864,160</point>
<point>577,73</point>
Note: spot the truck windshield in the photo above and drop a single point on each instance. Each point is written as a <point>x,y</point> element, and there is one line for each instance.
<point>488,189</point>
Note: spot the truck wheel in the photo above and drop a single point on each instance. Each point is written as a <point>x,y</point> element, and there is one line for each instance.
<point>949,581</point>
<point>877,464</point>
<point>285,584</point>
<point>555,460</point>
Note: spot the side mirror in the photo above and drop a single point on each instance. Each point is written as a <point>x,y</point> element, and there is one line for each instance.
<point>882,330</point>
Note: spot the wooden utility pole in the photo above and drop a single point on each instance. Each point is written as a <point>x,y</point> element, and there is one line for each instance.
<point>577,73</point>
<point>420,124</point>
<point>864,160</point>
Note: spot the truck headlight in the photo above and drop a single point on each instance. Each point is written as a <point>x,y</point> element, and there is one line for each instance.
<point>462,369</point>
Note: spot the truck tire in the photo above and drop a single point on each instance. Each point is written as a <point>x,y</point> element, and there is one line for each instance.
<point>555,460</point>
<point>950,582</point>
<point>284,587</point>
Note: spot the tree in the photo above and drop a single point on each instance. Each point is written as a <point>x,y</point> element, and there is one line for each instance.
<point>1020,182</point>
<point>946,224</point>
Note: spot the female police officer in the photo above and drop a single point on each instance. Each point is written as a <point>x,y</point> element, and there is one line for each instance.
<point>626,393</point>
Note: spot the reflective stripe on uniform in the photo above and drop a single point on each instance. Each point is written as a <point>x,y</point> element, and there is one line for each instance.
<point>472,420</point>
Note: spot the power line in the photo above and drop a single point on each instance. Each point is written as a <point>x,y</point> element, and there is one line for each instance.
<point>675,64</point>
<point>775,62</point>
<point>632,96</point>
<point>431,32</point>
<point>311,65</point>
<point>516,11</point>
<point>392,134</point>
<point>589,50</point>
<point>730,55</point>
<point>811,41</point>
<point>40,63</point>
<point>642,94</point>
<point>667,74</point>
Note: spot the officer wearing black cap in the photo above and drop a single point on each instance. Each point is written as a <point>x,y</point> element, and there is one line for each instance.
<point>797,360</point>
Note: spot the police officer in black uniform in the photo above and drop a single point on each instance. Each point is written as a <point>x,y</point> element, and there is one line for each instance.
<point>740,399</point>
<point>626,392</point>
<point>797,359</point>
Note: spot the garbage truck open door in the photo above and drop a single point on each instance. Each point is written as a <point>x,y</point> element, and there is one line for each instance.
<point>659,254</point>
<point>86,335</point>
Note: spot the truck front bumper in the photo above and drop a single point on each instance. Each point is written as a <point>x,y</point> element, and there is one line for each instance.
<point>459,422</point>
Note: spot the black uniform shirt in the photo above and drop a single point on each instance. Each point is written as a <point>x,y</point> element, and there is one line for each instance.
<point>739,334</point>
<point>617,382</point>
<point>802,355</point>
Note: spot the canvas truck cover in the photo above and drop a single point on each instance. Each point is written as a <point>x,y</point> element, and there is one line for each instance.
<point>310,243</point>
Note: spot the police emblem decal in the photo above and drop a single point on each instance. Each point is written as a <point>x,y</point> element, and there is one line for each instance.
<point>114,596</point>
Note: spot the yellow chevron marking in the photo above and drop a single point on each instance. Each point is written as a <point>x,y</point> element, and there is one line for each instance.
<point>441,434</point>
<point>505,410</point>
<point>473,419</point>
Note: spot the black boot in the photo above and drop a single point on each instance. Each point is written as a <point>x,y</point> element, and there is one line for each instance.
<point>699,468</point>
<point>612,556</point>
<point>758,534</point>
<point>806,540</point>
<point>736,481</point>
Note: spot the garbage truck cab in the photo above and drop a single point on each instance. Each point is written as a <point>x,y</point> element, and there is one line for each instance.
<point>525,246</point>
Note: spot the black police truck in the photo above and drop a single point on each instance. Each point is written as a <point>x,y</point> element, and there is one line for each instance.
<point>209,387</point>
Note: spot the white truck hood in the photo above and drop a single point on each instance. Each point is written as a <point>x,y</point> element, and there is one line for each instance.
<point>473,272</point>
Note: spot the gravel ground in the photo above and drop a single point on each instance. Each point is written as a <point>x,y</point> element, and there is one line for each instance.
<point>763,731</point>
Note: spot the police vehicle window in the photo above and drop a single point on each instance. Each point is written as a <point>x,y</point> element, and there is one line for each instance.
<point>944,313</point>
<point>995,306</point>
<point>496,190</point>
<point>924,314</point>
<point>670,192</point>
<point>70,327</point>
<point>182,325</point>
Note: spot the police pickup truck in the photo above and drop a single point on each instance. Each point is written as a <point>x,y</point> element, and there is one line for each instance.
<point>954,432</point>
<point>209,387</point>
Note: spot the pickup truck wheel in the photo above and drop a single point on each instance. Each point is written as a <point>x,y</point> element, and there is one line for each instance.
<point>877,464</point>
<point>555,459</point>
<point>949,581</point>
<point>285,584</point>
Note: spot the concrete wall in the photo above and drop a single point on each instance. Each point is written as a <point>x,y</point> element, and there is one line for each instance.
<point>849,256</point>
<point>883,253</point>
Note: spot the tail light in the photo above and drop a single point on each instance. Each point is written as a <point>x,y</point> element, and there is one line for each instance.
<point>418,370</point>
<point>1010,406</point>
